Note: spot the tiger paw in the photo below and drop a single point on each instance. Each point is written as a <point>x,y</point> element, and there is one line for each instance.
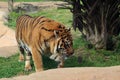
<point>60,66</point>
<point>28,68</point>
<point>21,60</point>
<point>53,56</point>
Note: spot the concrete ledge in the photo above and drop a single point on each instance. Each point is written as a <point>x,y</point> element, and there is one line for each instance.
<point>83,73</point>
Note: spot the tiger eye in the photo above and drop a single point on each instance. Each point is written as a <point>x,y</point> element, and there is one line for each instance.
<point>60,30</point>
<point>59,26</point>
<point>49,21</point>
<point>62,40</point>
<point>63,27</point>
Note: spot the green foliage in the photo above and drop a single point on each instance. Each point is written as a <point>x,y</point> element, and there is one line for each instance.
<point>12,19</point>
<point>10,66</point>
<point>117,45</point>
<point>92,57</point>
<point>79,42</point>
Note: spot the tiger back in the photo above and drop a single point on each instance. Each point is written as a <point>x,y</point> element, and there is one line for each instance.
<point>41,35</point>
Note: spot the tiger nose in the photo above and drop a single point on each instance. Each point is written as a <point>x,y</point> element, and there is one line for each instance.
<point>70,54</point>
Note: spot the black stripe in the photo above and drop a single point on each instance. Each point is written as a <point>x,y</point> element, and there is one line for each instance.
<point>49,20</point>
<point>35,21</point>
<point>50,30</point>
<point>41,50</point>
<point>59,26</point>
<point>58,45</point>
<point>45,43</point>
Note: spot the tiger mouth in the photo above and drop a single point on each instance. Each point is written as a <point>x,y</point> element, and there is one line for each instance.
<point>58,58</point>
<point>55,57</point>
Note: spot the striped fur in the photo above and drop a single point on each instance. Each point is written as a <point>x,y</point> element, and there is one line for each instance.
<point>41,35</point>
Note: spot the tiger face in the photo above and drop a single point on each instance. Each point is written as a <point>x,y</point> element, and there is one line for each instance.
<point>63,47</point>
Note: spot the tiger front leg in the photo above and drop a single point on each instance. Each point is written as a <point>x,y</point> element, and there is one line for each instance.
<point>61,64</point>
<point>58,59</point>
<point>37,59</point>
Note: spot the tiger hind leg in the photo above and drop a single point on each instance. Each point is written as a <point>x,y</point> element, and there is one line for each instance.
<point>27,62</point>
<point>21,56</point>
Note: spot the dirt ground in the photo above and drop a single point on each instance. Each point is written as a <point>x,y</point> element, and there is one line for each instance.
<point>83,73</point>
<point>8,47</point>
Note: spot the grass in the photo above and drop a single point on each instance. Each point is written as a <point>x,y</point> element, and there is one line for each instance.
<point>83,56</point>
<point>10,66</point>
<point>92,57</point>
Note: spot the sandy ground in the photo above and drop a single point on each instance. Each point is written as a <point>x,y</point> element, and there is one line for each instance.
<point>83,73</point>
<point>8,47</point>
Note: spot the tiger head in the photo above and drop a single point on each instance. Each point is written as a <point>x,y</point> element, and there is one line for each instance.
<point>63,47</point>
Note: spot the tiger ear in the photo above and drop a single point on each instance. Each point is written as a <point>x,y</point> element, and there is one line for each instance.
<point>56,33</point>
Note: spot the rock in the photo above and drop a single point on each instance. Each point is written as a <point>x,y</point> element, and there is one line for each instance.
<point>25,7</point>
<point>83,73</point>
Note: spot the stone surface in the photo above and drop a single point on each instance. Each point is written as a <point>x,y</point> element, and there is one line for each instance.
<point>83,73</point>
<point>25,7</point>
<point>8,45</point>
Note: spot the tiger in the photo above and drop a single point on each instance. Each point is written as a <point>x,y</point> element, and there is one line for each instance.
<point>37,36</point>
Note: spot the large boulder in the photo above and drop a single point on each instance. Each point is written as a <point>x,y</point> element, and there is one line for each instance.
<point>83,73</point>
<point>26,7</point>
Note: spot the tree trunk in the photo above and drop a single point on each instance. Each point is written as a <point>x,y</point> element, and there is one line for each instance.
<point>97,20</point>
<point>10,5</point>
